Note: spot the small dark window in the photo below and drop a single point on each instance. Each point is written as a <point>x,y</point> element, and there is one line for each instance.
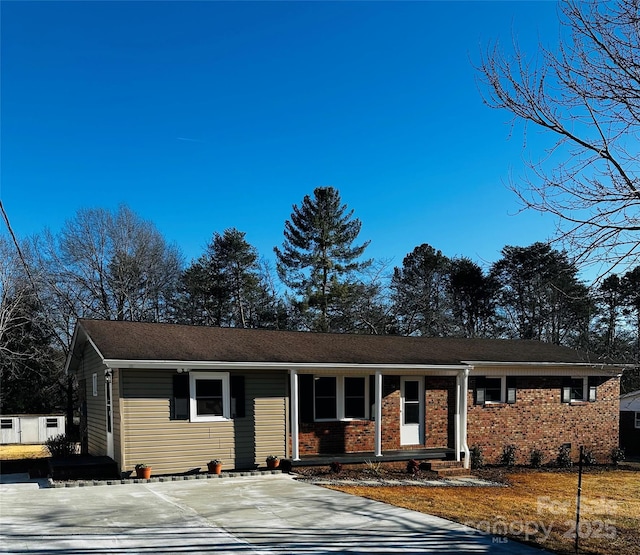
<point>52,422</point>
<point>209,399</point>
<point>493,390</point>
<point>325,398</point>
<point>6,424</point>
<point>577,389</point>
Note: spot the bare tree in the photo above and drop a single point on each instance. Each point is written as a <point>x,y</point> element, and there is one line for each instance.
<point>110,265</point>
<point>586,94</point>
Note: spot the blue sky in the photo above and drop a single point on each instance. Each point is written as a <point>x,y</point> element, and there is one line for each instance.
<point>208,115</point>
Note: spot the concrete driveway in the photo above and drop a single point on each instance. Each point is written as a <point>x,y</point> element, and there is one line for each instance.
<point>251,515</point>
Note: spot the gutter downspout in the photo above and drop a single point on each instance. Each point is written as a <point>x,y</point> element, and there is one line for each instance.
<point>463,415</point>
<point>295,426</point>
<point>456,418</point>
<point>378,415</point>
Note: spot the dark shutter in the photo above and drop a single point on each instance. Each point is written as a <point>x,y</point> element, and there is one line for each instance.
<point>180,401</point>
<point>480,390</point>
<point>372,396</point>
<point>237,396</point>
<point>592,383</point>
<point>566,390</point>
<point>305,397</point>
<point>511,389</point>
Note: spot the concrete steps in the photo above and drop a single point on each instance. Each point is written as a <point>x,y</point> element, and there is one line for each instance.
<point>446,469</point>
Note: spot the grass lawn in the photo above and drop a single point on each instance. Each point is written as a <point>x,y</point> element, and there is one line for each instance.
<point>537,507</point>
<point>14,452</point>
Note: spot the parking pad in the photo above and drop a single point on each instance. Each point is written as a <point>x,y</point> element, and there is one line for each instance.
<point>272,514</point>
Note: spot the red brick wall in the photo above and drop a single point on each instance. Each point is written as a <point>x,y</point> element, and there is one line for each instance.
<point>537,420</point>
<point>440,407</point>
<point>359,435</point>
<point>540,420</point>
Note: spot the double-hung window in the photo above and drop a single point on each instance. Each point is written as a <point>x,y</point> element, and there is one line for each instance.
<point>209,396</point>
<point>578,390</point>
<point>340,397</point>
<point>326,397</point>
<point>495,390</point>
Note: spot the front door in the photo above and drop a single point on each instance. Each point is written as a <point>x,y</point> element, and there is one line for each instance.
<point>109,402</point>
<point>411,411</point>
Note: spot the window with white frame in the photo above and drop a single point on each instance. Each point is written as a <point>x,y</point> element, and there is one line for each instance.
<point>209,396</point>
<point>340,397</point>
<point>578,390</point>
<point>638,420</point>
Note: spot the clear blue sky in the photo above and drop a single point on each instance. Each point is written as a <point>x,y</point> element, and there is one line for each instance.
<point>203,116</point>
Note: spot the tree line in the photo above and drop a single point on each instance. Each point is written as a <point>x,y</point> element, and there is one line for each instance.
<point>115,265</point>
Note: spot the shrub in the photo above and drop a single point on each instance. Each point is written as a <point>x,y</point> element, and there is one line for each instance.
<point>373,467</point>
<point>588,457</point>
<point>536,457</point>
<point>563,460</point>
<point>477,458</point>
<point>60,446</point>
<point>286,465</point>
<point>336,467</point>
<point>617,455</point>
<point>413,466</point>
<point>508,457</point>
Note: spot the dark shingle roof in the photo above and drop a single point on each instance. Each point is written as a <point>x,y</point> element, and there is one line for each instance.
<point>172,342</point>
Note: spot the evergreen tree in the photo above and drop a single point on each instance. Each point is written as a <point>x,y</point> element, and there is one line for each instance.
<point>420,293</point>
<point>318,256</point>
<point>473,298</point>
<point>226,286</point>
<point>541,297</point>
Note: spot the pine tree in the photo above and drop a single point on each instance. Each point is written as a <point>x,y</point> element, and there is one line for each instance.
<point>318,255</point>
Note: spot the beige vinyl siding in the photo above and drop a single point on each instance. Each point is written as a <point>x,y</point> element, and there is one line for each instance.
<point>96,406</point>
<point>268,392</point>
<point>151,437</point>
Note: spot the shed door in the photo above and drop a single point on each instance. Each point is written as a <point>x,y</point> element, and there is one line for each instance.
<point>411,411</point>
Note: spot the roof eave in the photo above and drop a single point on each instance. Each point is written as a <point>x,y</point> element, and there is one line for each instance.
<point>261,365</point>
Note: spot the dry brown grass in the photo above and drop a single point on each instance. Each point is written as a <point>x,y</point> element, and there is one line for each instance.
<point>536,506</point>
<point>15,452</point>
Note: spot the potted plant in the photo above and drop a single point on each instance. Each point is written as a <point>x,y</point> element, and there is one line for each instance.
<point>215,466</point>
<point>143,471</point>
<point>273,462</point>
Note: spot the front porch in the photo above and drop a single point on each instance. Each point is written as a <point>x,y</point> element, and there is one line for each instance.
<point>428,454</point>
<point>357,414</point>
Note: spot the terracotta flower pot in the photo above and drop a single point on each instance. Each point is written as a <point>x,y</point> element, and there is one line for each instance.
<point>214,468</point>
<point>144,472</point>
<point>273,463</point>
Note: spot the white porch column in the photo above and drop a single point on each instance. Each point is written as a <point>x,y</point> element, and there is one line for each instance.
<point>378,415</point>
<point>295,427</point>
<point>463,417</point>
<point>456,420</point>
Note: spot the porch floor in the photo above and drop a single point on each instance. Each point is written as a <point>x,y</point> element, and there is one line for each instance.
<point>443,453</point>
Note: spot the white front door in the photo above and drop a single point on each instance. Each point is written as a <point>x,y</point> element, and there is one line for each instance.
<point>109,405</point>
<point>411,411</point>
